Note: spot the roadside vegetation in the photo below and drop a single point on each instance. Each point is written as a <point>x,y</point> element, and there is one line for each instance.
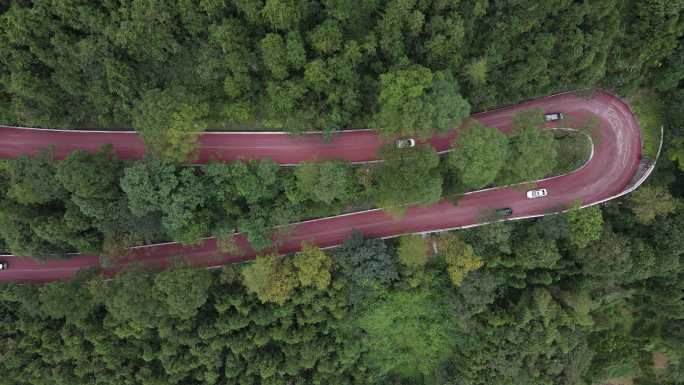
<point>561,300</point>
<point>650,110</point>
<point>97,204</point>
<point>574,150</point>
<point>570,299</point>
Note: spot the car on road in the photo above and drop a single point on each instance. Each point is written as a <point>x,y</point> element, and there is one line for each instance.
<point>552,117</point>
<point>3,265</point>
<point>406,143</point>
<point>503,212</point>
<point>537,193</point>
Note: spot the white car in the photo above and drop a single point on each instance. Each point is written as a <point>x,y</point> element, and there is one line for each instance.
<point>538,193</point>
<point>552,117</point>
<point>405,143</point>
<point>3,265</point>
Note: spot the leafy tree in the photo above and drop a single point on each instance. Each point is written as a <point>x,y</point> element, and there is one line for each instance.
<point>497,237</point>
<point>20,238</point>
<point>408,176</point>
<point>135,308</point>
<point>156,186</point>
<point>286,105</point>
<point>95,66</point>
<point>458,256</point>
<point>480,153</point>
<point>609,258</point>
<point>233,325</point>
<point>274,55</point>
<point>586,225</point>
<point>219,179</point>
<point>477,71</point>
<point>184,290</point>
<point>648,202</point>
<point>327,37</point>
<point>283,14</point>
<point>369,266</point>
<point>538,339</point>
<point>325,182</point>
<point>416,101</point>
<point>229,58</point>
<point>280,55</point>
<point>615,351</point>
<point>33,181</point>
<point>564,54</point>
<point>479,289</point>
<point>260,222</point>
<point>68,231</point>
<point>170,122</point>
<point>668,240</point>
<point>413,251</point>
<point>674,148</point>
<point>69,300</point>
<point>651,33</point>
<point>336,90</point>
<point>532,153</point>
<point>90,175</point>
<point>147,184</point>
<point>271,278</point>
<point>255,181</point>
<point>450,107</point>
<point>313,267</point>
<point>185,217</point>
<point>93,181</point>
<point>410,335</point>
<point>676,152</point>
<point>668,76</point>
<point>45,219</point>
<point>537,253</point>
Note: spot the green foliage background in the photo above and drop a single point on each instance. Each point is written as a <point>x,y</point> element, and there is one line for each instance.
<point>570,299</point>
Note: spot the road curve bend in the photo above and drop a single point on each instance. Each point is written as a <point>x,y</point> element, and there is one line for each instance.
<point>615,160</point>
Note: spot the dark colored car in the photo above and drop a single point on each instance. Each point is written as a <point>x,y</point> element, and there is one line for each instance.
<point>504,212</point>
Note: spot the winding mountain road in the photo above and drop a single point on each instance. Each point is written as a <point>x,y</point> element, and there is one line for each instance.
<point>608,174</point>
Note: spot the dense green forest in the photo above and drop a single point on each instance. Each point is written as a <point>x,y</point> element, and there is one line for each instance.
<point>171,68</point>
<point>572,299</point>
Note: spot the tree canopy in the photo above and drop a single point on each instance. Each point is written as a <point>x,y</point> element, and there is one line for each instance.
<point>566,299</point>
<point>533,152</point>
<point>170,122</point>
<point>408,176</point>
<point>317,64</point>
<point>414,101</point>
<point>479,154</point>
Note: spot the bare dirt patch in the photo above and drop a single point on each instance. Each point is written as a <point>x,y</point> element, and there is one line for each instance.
<point>660,361</point>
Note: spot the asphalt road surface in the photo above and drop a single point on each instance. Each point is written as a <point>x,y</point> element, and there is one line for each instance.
<point>616,156</point>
